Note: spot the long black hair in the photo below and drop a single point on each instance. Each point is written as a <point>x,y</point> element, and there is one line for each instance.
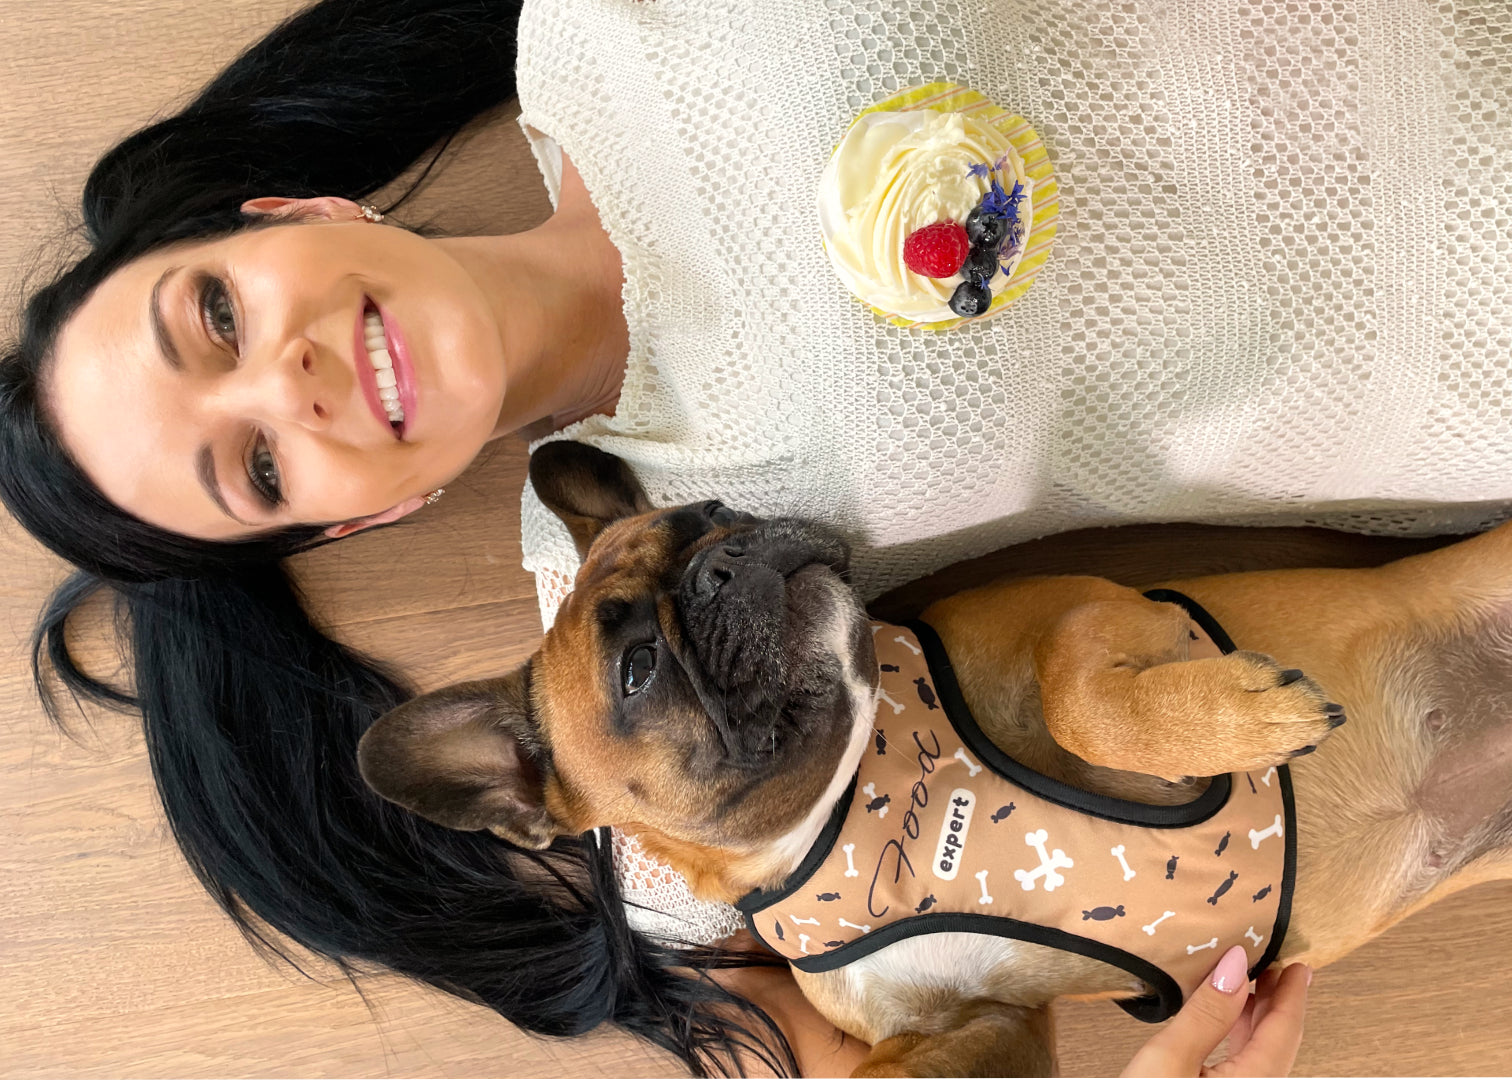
<point>252,713</point>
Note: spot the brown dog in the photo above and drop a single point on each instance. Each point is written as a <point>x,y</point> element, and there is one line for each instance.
<point>711,686</point>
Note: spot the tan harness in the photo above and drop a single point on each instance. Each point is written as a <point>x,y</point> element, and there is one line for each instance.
<point>943,832</point>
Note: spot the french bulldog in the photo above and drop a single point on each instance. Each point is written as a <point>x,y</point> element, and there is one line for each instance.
<point>713,686</point>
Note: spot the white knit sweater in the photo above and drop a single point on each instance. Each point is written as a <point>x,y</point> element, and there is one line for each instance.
<point>1281,291</point>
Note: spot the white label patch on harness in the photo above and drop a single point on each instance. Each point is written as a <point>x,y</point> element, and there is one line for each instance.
<point>953,834</point>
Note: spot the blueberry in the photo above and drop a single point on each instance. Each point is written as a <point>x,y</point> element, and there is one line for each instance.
<point>970,299</point>
<point>985,230</point>
<point>980,265</point>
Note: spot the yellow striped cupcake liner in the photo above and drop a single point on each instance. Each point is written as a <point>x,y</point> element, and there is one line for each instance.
<point>948,97</point>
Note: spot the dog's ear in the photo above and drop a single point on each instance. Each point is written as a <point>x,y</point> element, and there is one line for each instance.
<point>585,487</point>
<point>467,757</point>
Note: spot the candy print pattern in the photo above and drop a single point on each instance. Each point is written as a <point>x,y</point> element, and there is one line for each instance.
<point>1120,893</point>
<point>1104,913</point>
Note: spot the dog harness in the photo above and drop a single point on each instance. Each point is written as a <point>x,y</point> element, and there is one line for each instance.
<point>941,831</point>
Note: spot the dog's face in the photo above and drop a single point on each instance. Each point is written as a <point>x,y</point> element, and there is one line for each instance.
<point>701,685</point>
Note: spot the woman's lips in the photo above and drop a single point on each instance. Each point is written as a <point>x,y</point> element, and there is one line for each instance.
<point>404,370</point>
<point>362,360</point>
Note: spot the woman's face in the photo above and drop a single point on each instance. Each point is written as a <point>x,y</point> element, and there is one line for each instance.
<point>225,388</point>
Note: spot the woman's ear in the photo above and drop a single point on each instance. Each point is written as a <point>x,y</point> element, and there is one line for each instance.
<point>393,513</point>
<point>325,208</point>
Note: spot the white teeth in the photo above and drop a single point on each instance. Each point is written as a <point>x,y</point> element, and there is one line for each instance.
<point>383,366</point>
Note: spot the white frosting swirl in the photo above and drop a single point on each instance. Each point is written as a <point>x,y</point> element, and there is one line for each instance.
<point>893,173</point>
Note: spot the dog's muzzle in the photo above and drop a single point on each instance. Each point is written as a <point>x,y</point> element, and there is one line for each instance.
<point>754,607</point>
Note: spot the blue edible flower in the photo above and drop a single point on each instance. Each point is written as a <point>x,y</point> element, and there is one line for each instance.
<point>1002,204</point>
<point>1012,241</point>
<point>980,169</point>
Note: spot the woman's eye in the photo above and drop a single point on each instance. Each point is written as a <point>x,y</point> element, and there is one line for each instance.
<point>637,668</point>
<point>262,470</point>
<point>216,311</point>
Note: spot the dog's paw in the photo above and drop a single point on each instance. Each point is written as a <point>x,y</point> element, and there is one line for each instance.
<point>1234,713</point>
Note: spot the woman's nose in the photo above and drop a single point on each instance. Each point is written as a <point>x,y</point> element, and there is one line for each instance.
<point>290,388</point>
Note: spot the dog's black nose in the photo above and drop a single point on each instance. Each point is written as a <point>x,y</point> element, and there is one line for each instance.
<point>716,567</point>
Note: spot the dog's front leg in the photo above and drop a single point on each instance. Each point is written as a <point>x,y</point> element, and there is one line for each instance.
<point>990,1039</point>
<point>1118,690</point>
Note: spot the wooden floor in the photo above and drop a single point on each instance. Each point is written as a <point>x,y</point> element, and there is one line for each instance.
<point>114,963</point>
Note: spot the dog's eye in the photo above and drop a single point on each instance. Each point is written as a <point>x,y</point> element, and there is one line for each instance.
<point>637,668</point>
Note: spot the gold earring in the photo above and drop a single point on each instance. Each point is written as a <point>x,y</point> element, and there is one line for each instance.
<point>435,496</point>
<point>372,213</point>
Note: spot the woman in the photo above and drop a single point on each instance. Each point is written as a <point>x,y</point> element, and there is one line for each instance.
<point>247,413</point>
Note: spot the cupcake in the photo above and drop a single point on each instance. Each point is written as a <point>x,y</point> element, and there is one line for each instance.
<point>938,207</point>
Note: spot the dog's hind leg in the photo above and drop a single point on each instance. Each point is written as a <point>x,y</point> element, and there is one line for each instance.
<point>990,1039</point>
<point>1413,802</point>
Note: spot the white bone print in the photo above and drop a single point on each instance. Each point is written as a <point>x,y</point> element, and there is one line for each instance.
<point>1256,938</point>
<point>804,922</point>
<point>1049,864</point>
<point>870,791</point>
<point>1270,772</point>
<point>1150,927</point>
<point>1118,853</point>
<point>981,876</point>
<point>1198,948</point>
<point>910,646</point>
<point>971,766</point>
<point>850,861</point>
<point>1256,836</point>
<point>803,940</point>
<point>853,926</point>
<point>882,697</point>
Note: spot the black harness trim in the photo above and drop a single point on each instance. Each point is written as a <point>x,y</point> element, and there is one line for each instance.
<point>1166,997</point>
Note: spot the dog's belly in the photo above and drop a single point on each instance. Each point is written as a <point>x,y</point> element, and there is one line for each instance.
<point>916,985</point>
<point>1413,798</point>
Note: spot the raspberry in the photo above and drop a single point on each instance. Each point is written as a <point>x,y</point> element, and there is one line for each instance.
<point>936,250</point>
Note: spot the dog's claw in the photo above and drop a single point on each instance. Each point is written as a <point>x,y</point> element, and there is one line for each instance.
<point>1289,676</point>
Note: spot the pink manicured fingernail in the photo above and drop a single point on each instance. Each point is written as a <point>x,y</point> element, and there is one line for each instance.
<point>1309,976</point>
<point>1232,972</point>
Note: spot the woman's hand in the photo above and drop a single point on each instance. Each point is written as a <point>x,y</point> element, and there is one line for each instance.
<point>1264,1029</point>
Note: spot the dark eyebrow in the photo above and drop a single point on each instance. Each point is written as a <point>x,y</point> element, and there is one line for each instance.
<point>165,342</point>
<point>612,614</point>
<point>204,465</point>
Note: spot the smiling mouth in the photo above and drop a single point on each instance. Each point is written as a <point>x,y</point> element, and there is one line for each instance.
<point>376,341</point>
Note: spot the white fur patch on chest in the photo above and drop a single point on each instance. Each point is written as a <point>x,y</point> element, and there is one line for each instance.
<point>889,980</point>
<point>788,850</point>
